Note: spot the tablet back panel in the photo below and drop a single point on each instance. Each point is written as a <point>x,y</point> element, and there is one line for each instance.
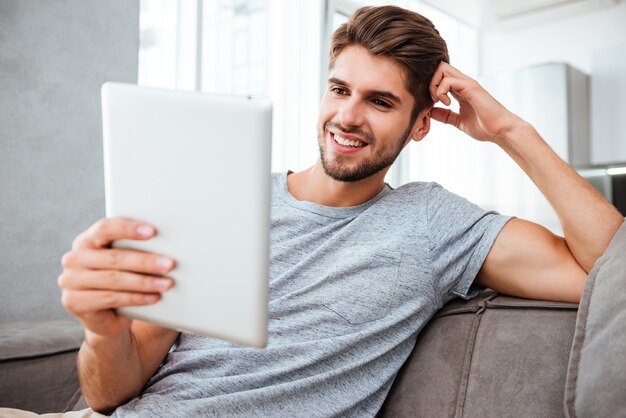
<point>197,167</point>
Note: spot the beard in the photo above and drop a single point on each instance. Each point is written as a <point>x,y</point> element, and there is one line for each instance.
<point>338,168</point>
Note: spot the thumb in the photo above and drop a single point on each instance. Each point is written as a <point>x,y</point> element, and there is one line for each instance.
<point>445,116</point>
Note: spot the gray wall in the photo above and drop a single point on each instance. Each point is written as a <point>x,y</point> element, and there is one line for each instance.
<point>54,56</point>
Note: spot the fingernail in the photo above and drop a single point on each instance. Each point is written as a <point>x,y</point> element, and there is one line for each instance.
<point>151,298</point>
<point>161,284</point>
<point>164,263</point>
<point>145,230</point>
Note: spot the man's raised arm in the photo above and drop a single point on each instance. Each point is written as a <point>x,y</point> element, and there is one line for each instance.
<point>526,259</point>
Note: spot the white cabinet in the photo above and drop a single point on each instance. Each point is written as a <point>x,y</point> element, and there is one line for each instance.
<point>554,98</point>
<point>608,106</point>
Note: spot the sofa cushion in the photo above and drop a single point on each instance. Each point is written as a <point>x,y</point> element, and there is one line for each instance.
<point>38,365</point>
<point>493,355</point>
<point>596,377</point>
<point>25,339</point>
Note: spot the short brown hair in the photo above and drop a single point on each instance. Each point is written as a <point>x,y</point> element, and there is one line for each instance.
<point>407,37</point>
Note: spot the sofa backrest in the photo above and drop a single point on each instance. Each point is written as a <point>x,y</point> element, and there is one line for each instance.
<point>54,56</point>
<point>492,356</point>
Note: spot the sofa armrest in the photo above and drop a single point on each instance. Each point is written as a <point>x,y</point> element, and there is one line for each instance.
<point>38,365</point>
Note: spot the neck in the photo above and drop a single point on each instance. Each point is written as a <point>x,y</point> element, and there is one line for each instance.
<point>314,185</point>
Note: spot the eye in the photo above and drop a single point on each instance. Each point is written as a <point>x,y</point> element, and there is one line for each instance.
<point>339,91</point>
<point>381,103</point>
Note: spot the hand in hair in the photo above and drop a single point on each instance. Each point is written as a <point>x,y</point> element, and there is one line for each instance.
<point>480,115</point>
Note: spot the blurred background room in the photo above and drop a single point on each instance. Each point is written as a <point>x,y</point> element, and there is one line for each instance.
<point>559,64</point>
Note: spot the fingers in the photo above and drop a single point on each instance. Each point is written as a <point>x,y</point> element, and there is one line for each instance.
<point>97,279</point>
<point>448,79</point>
<point>104,232</point>
<point>457,87</point>
<point>94,301</point>
<point>446,116</point>
<point>441,93</point>
<point>118,259</point>
<point>113,280</point>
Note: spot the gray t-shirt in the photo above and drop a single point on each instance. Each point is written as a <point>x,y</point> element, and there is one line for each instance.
<point>350,288</point>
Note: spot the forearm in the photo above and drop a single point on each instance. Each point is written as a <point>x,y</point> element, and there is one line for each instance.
<point>109,370</point>
<point>589,221</point>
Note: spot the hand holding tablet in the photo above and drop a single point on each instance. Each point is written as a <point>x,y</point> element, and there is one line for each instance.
<point>197,168</point>
<point>98,279</point>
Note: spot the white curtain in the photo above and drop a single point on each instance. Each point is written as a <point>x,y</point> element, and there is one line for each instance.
<point>293,66</point>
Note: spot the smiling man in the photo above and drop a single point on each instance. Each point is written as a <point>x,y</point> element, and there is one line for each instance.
<point>357,268</point>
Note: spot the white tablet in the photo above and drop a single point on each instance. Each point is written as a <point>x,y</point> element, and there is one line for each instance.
<point>197,167</point>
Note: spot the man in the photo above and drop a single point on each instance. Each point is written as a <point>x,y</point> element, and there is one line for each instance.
<point>357,268</point>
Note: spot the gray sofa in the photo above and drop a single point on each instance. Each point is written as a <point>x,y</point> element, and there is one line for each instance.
<point>491,356</point>
<point>38,365</point>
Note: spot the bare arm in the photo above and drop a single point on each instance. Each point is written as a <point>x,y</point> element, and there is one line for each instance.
<point>588,220</point>
<point>113,370</point>
<point>527,260</point>
<point>119,355</point>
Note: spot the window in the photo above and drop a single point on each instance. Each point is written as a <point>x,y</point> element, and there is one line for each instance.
<point>251,47</point>
<point>234,47</point>
<point>157,43</point>
<point>211,46</point>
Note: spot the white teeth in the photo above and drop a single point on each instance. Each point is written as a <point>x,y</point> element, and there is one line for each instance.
<point>347,142</point>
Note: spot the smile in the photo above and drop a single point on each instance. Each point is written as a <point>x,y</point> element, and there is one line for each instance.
<point>348,142</point>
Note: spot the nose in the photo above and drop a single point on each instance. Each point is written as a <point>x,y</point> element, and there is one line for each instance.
<point>351,113</point>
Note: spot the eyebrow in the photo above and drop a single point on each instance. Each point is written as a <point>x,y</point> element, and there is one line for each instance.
<point>380,93</point>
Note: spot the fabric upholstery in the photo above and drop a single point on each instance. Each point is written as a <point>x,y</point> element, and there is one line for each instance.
<point>38,365</point>
<point>493,356</point>
<point>596,376</point>
<point>26,339</point>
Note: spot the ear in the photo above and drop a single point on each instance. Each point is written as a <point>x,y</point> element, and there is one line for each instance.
<point>422,125</point>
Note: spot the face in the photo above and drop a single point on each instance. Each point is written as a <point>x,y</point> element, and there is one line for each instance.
<point>365,116</point>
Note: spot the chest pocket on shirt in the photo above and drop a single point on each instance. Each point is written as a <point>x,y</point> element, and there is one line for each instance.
<point>364,292</point>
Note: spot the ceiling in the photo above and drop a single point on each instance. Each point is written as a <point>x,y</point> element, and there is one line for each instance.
<point>485,14</point>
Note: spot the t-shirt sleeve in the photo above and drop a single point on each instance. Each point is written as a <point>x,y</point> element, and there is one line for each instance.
<point>460,237</point>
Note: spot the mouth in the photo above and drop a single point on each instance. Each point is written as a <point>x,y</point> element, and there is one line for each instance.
<point>346,145</point>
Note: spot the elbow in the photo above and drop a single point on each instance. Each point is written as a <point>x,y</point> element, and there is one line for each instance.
<point>590,261</point>
<point>103,400</point>
<point>103,404</point>
<point>593,256</point>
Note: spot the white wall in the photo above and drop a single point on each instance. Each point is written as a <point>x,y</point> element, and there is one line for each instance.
<point>570,39</point>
